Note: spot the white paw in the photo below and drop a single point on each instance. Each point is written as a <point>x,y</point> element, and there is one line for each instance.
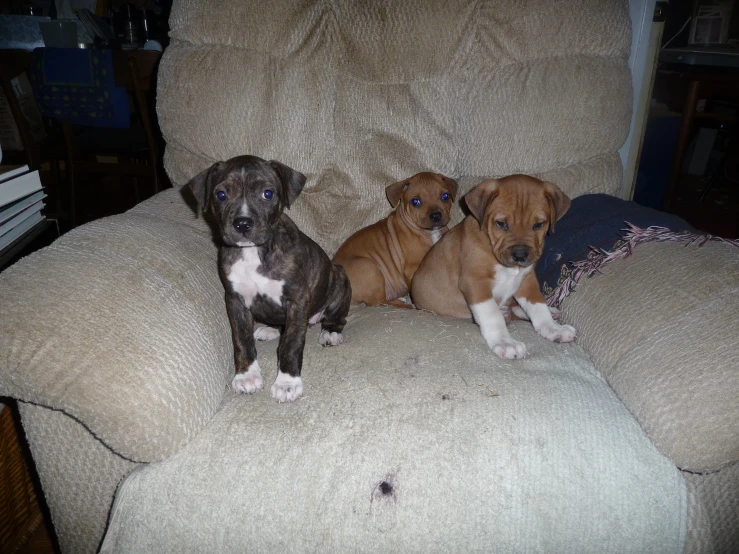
<point>286,388</point>
<point>509,349</point>
<point>327,338</point>
<point>248,382</point>
<point>266,333</point>
<point>555,332</point>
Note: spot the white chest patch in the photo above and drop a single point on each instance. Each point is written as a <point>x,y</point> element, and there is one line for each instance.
<point>507,282</point>
<point>249,283</point>
<point>435,236</point>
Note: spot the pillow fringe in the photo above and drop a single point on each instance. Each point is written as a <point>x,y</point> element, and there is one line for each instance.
<point>633,236</point>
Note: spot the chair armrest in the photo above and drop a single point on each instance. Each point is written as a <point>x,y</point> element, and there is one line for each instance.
<point>121,324</point>
<point>661,327</point>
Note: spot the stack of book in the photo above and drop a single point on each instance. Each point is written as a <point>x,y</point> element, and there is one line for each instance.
<point>21,202</point>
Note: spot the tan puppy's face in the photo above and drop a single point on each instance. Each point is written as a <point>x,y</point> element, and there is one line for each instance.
<point>424,200</point>
<point>516,212</point>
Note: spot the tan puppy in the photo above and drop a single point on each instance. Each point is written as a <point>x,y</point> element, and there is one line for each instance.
<point>381,259</point>
<point>489,258</point>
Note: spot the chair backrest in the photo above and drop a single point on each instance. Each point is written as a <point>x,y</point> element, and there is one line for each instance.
<point>358,95</point>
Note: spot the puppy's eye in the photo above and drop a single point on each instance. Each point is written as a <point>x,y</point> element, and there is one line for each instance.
<point>416,202</point>
<point>221,195</point>
<point>445,196</point>
<point>502,225</point>
<point>538,226</point>
<point>268,194</point>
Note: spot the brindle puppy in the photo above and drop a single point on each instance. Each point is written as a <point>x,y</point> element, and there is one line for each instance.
<point>271,271</point>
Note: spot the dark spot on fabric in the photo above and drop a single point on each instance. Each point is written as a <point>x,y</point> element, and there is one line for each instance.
<point>445,397</point>
<point>386,488</point>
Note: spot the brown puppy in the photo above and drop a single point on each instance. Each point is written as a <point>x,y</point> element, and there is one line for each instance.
<point>380,260</point>
<point>488,259</point>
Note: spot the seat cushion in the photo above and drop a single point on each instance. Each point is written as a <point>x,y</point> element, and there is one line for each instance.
<point>413,437</point>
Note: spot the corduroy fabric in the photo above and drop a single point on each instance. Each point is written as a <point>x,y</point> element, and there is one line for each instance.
<point>476,453</point>
<point>121,324</point>
<point>358,95</point>
<point>716,496</point>
<point>660,327</point>
<point>78,473</point>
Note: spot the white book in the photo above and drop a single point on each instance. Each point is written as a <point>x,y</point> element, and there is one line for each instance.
<point>19,230</point>
<point>13,172</point>
<point>14,208</point>
<point>17,187</point>
<point>20,217</point>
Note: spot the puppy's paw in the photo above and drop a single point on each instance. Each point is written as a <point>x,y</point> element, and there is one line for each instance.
<point>509,349</point>
<point>248,382</point>
<point>557,333</point>
<point>286,388</point>
<point>327,338</point>
<point>266,333</point>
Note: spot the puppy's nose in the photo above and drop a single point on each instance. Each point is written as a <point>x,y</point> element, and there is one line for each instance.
<point>435,216</point>
<point>520,253</point>
<point>243,224</point>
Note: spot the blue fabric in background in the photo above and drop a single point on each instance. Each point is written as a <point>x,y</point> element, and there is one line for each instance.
<point>596,220</point>
<point>79,85</point>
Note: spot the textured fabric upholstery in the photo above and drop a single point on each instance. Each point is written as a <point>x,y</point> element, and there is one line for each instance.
<point>135,344</point>
<point>78,473</point>
<point>660,327</point>
<point>121,324</point>
<point>716,497</point>
<point>534,455</point>
<point>358,95</point>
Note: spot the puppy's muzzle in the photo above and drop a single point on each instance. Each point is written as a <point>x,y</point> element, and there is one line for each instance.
<point>520,254</point>
<point>243,224</point>
<point>435,217</point>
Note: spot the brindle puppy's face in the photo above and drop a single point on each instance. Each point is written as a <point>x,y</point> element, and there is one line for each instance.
<point>516,212</point>
<point>424,200</point>
<point>246,195</point>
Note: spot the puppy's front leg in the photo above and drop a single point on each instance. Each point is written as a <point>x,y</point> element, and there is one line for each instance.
<point>490,318</point>
<point>530,298</point>
<point>289,385</point>
<point>248,376</point>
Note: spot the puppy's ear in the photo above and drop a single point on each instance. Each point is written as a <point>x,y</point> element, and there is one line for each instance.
<point>558,203</point>
<point>478,198</point>
<point>201,185</point>
<point>452,184</point>
<point>292,181</point>
<point>395,191</point>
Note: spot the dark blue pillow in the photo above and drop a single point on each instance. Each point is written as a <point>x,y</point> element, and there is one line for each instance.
<point>598,221</point>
